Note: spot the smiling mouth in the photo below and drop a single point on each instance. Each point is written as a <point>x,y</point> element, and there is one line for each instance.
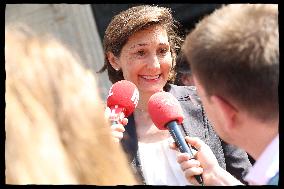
<point>148,77</point>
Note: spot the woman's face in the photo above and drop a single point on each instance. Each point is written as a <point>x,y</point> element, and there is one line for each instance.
<point>146,59</point>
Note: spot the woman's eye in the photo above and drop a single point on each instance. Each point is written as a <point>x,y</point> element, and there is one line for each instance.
<point>163,51</point>
<point>140,53</point>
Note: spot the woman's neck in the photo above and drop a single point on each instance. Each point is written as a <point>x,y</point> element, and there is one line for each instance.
<point>145,128</point>
<point>143,102</point>
<point>146,131</point>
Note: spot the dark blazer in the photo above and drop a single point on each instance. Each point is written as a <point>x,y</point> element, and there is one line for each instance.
<point>195,124</point>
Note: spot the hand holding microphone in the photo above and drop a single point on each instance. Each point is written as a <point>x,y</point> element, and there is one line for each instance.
<point>117,128</point>
<point>122,100</point>
<point>207,164</point>
<point>166,113</point>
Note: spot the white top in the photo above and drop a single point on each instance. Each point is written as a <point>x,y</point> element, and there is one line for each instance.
<point>266,166</point>
<point>159,164</point>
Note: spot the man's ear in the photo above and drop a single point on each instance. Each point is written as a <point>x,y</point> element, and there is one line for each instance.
<point>226,111</point>
<point>113,60</point>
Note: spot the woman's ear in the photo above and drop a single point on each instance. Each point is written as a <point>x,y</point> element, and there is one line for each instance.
<point>113,60</point>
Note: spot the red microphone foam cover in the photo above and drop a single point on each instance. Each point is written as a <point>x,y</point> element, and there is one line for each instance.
<point>124,94</point>
<point>163,108</point>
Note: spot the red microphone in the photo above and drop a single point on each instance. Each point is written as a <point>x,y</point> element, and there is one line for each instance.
<point>166,113</point>
<point>122,99</point>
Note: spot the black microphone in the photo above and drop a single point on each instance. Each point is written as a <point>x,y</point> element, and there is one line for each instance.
<point>166,113</point>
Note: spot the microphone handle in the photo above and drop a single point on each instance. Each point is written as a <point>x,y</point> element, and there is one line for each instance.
<point>183,147</point>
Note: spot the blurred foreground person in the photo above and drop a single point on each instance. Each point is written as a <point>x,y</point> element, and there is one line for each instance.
<point>234,57</point>
<point>56,132</point>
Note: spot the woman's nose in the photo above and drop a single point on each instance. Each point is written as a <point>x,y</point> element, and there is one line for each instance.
<point>154,62</point>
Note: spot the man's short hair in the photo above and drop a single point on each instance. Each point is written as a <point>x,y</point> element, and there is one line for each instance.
<point>234,53</point>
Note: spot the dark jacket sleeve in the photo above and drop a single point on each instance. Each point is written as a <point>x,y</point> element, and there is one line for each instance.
<point>237,161</point>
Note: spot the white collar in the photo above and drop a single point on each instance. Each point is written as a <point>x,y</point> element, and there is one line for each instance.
<point>266,166</point>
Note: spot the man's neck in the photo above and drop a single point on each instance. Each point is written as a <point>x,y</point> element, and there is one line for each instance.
<point>257,136</point>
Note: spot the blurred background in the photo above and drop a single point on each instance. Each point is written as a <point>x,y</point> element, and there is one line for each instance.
<point>81,26</point>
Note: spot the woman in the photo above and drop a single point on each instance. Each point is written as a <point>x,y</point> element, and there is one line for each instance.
<point>55,127</point>
<point>140,45</point>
